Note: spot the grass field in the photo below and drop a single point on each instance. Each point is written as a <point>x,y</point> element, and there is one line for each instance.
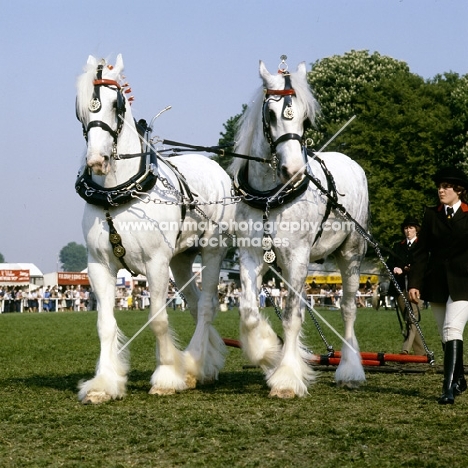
<point>392,421</point>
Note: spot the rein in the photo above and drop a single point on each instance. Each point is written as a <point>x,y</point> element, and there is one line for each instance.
<point>181,147</point>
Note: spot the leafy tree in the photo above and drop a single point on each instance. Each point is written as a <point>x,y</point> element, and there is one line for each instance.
<point>405,129</point>
<point>2,258</point>
<point>455,96</point>
<point>73,257</point>
<point>397,139</point>
<point>337,81</point>
<point>228,137</point>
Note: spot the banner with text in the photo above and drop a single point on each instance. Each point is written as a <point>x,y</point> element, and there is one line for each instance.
<point>14,276</point>
<point>66,278</point>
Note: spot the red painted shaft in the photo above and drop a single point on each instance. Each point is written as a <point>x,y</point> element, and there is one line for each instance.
<point>368,359</point>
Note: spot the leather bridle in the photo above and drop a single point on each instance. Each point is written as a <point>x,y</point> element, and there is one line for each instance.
<point>95,105</point>
<point>288,113</point>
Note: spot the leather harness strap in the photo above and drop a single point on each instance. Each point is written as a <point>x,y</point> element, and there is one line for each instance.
<point>280,92</point>
<point>259,199</point>
<point>106,82</point>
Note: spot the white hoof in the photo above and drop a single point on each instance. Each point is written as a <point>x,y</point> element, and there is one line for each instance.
<point>95,398</point>
<point>284,393</point>
<point>191,381</point>
<point>350,373</point>
<point>161,391</point>
<point>349,385</point>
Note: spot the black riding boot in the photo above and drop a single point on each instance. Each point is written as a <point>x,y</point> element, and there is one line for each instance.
<point>453,352</point>
<point>460,381</point>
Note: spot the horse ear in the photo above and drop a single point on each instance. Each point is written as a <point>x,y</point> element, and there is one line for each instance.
<point>264,73</point>
<point>91,60</point>
<point>119,65</point>
<point>302,70</point>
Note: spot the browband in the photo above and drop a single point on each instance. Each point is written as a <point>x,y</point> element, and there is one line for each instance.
<point>104,81</point>
<point>280,92</point>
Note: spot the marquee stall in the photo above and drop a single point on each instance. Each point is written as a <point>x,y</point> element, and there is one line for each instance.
<point>17,276</point>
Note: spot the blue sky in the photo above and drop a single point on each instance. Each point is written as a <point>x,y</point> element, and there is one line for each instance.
<point>201,57</point>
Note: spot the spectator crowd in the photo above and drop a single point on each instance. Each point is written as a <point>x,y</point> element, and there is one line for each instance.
<point>80,298</point>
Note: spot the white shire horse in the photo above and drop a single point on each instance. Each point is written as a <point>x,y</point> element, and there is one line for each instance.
<point>284,214</point>
<point>147,214</point>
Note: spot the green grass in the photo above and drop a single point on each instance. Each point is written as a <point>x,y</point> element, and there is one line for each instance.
<point>394,420</point>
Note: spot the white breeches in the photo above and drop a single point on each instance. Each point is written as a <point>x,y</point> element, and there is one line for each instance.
<point>451,319</point>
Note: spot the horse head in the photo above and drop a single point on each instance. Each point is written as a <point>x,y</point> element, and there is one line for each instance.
<point>288,108</point>
<point>101,107</point>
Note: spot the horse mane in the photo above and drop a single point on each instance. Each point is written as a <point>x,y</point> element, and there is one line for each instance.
<point>249,136</point>
<point>85,88</point>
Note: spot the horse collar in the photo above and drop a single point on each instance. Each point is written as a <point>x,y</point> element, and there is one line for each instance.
<point>272,198</point>
<point>143,181</point>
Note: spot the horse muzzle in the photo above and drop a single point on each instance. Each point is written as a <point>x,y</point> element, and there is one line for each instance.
<point>291,175</point>
<point>100,165</point>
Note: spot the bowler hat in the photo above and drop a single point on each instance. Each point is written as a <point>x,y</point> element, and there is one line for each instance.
<point>410,221</point>
<point>451,175</point>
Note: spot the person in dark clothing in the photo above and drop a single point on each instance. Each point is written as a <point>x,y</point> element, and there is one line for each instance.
<point>439,273</point>
<point>368,285</point>
<point>399,264</point>
<point>383,293</point>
